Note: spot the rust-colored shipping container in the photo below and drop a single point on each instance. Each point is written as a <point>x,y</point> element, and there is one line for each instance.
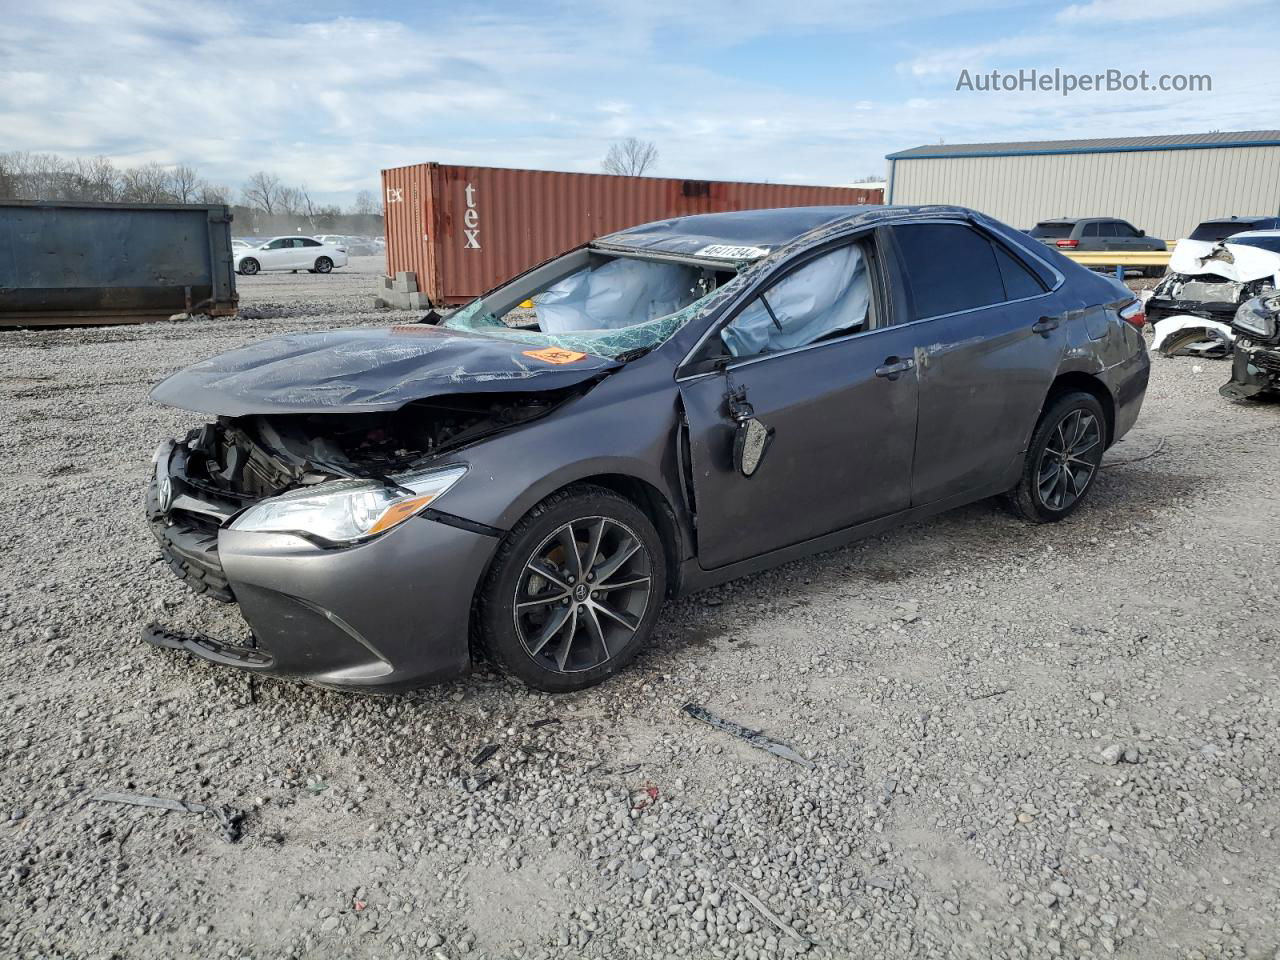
<point>463,230</point>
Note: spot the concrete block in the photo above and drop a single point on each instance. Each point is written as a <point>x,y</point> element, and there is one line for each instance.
<point>418,301</point>
<point>406,282</point>
<point>387,283</point>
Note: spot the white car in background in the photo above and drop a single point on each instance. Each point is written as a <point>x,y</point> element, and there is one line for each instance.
<point>291,253</point>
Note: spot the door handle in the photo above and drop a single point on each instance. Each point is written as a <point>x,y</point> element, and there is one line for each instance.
<point>1045,325</point>
<point>893,366</point>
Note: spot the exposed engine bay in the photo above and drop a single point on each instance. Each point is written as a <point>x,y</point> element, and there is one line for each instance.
<point>246,459</point>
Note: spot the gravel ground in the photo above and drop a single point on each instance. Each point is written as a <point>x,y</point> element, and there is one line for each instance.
<point>1026,741</point>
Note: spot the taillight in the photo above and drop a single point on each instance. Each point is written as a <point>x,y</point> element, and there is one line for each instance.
<point>1068,243</point>
<point>1134,313</point>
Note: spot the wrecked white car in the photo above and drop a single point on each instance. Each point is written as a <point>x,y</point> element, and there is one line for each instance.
<point>1193,307</point>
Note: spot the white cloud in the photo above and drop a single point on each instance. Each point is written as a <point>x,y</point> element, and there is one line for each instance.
<point>330,101</point>
<point>1133,11</point>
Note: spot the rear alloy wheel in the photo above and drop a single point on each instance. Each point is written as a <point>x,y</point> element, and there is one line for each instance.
<point>323,264</point>
<point>1063,459</point>
<point>574,591</point>
<point>249,266</point>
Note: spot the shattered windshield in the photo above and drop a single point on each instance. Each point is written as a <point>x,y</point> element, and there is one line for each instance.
<point>610,308</point>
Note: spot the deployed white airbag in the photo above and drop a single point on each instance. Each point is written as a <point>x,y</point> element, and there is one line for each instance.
<point>621,293</point>
<point>827,296</point>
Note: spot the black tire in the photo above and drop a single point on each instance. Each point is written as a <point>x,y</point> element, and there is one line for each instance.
<point>588,646</point>
<point>1044,495</point>
<point>249,266</point>
<point>1153,272</point>
<point>323,265</point>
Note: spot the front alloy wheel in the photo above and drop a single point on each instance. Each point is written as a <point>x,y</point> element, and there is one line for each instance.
<point>574,590</point>
<point>583,595</point>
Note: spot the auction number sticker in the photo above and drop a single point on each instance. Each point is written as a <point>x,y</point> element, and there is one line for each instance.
<point>723,251</point>
<point>555,355</point>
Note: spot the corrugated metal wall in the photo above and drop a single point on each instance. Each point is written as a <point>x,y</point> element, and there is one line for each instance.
<point>1165,192</point>
<point>463,230</point>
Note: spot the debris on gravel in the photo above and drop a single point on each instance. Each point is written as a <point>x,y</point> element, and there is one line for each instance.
<point>1025,741</point>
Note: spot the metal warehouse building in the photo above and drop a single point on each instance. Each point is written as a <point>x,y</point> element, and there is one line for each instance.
<point>1164,185</point>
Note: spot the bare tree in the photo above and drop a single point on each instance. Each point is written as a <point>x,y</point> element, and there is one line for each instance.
<point>630,157</point>
<point>39,176</point>
<point>97,179</point>
<point>213,193</point>
<point>365,204</point>
<point>149,183</point>
<point>8,179</point>
<point>262,192</point>
<point>289,201</point>
<point>186,183</point>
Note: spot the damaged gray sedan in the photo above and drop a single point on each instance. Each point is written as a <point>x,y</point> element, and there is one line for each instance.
<point>688,401</point>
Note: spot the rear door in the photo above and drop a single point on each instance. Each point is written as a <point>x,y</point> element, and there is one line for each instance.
<point>1091,237</point>
<point>310,250</point>
<point>299,255</point>
<point>989,337</point>
<point>811,356</point>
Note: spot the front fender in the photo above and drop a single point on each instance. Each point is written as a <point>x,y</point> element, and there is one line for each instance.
<point>624,426</point>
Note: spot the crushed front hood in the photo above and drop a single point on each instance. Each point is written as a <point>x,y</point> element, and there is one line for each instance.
<point>369,370</point>
<point>1236,262</point>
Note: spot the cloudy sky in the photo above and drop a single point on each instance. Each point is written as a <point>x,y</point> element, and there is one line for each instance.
<point>818,91</point>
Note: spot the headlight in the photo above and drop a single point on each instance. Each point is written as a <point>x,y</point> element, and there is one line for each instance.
<point>1258,316</point>
<point>349,510</point>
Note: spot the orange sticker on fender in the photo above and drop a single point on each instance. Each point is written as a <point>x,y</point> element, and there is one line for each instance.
<point>555,355</point>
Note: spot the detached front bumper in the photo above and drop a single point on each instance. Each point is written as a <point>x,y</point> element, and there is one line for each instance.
<point>392,613</point>
<point>1255,369</point>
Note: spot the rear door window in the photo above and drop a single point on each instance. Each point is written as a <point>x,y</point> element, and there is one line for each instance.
<point>1091,230</point>
<point>948,267</point>
<point>1019,281</point>
<point>308,242</point>
<point>1109,229</point>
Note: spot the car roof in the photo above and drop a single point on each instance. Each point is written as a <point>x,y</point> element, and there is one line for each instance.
<point>1247,234</point>
<point>1082,220</point>
<point>751,234</point>
<point>1244,219</point>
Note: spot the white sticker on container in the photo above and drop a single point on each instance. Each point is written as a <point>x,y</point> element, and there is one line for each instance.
<point>722,251</point>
